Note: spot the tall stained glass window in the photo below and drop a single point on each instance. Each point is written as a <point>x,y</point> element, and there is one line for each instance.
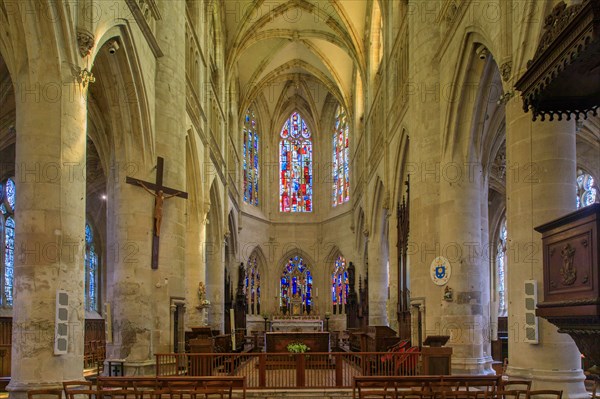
<point>295,161</point>
<point>501,269</point>
<point>339,285</point>
<point>252,286</point>
<point>250,155</point>
<point>340,158</point>
<point>7,209</point>
<point>91,270</point>
<point>587,190</point>
<point>295,287</point>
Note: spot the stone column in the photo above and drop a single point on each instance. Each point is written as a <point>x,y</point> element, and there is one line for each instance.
<point>195,269</point>
<point>215,269</point>
<point>139,296</point>
<point>378,279</point>
<point>541,167</point>
<point>465,316</point>
<point>423,162</point>
<point>50,218</point>
<point>170,143</point>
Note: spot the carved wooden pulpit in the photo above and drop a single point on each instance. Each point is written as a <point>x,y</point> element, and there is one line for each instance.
<point>572,278</point>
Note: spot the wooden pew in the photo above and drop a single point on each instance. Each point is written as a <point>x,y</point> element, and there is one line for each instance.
<point>488,383</point>
<point>238,383</point>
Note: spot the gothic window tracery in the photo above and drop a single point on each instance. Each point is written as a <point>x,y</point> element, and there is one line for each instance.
<point>295,161</point>
<point>295,287</point>
<point>339,285</point>
<point>7,209</point>
<point>91,270</point>
<point>587,190</point>
<point>252,286</point>
<point>340,158</point>
<point>251,159</point>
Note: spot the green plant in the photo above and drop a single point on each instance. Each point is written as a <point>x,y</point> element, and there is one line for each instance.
<point>297,347</point>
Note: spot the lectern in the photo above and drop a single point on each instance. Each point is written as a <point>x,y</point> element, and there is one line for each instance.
<point>436,357</point>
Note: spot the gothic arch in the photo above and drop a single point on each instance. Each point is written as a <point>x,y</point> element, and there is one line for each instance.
<point>120,81</point>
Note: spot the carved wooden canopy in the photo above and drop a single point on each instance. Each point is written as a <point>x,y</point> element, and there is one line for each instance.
<point>564,75</point>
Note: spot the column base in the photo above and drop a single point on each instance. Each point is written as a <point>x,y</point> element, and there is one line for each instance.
<point>569,381</point>
<point>18,390</point>
<point>473,365</point>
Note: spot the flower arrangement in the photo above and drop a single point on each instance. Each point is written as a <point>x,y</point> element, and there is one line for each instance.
<point>297,347</point>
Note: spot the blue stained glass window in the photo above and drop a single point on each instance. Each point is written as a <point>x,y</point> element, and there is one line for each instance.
<point>296,285</point>
<point>587,190</point>
<point>250,159</point>
<point>501,269</point>
<point>340,158</point>
<point>252,286</point>
<point>91,270</point>
<point>10,193</point>
<point>9,260</point>
<point>339,282</point>
<point>295,161</point>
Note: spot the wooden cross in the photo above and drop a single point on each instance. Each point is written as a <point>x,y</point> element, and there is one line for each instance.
<point>160,193</point>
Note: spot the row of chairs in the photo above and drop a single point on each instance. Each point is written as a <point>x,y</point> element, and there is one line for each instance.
<point>94,353</point>
<point>452,390</point>
<point>138,390</point>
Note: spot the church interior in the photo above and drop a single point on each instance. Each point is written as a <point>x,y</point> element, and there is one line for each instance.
<point>408,189</point>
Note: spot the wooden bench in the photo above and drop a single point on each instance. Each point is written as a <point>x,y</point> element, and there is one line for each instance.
<point>489,383</point>
<point>237,383</point>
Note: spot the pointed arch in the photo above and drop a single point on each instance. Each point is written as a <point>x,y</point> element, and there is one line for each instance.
<point>119,76</point>
<point>296,166</point>
<point>296,285</point>
<point>254,268</point>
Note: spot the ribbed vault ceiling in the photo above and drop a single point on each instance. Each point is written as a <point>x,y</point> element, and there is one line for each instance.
<point>294,54</point>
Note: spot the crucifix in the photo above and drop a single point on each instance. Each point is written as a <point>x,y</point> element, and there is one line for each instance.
<point>160,193</point>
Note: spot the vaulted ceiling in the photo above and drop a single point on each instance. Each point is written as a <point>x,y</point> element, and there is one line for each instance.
<point>296,54</point>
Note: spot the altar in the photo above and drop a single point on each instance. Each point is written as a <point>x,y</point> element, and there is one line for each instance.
<point>296,324</point>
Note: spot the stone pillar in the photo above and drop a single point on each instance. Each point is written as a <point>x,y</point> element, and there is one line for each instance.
<point>541,167</point>
<point>51,118</point>
<point>140,297</point>
<point>195,270</point>
<point>465,316</point>
<point>423,156</point>
<point>170,143</point>
<point>215,269</point>
<point>378,276</point>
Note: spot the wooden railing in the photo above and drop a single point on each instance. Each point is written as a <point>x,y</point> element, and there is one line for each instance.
<point>286,370</point>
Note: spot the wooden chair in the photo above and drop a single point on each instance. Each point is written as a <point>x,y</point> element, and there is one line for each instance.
<point>117,393</point>
<point>461,395</point>
<point>520,385</point>
<point>45,394</point>
<point>545,393</point>
<point>502,394</point>
<point>182,389</point>
<point>408,389</point>
<point>484,384</point>
<point>221,389</point>
<point>372,389</point>
<point>79,388</point>
<point>144,389</point>
<point>435,389</point>
<point>596,384</point>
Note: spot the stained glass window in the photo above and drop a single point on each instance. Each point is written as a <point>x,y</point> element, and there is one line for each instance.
<point>250,156</point>
<point>91,270</point>
<point>295,161</point>
<point>252,286</point>
<point>339,285</point>
<point>501,270</point>
<point>295,287</point>
<point>587,190</point>
<point>340,158</point>
<point>8,194</point>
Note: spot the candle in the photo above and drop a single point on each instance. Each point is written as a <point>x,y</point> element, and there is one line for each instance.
<point>317,292</point>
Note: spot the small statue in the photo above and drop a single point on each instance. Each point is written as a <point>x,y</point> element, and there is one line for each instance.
<point>202,294</point>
